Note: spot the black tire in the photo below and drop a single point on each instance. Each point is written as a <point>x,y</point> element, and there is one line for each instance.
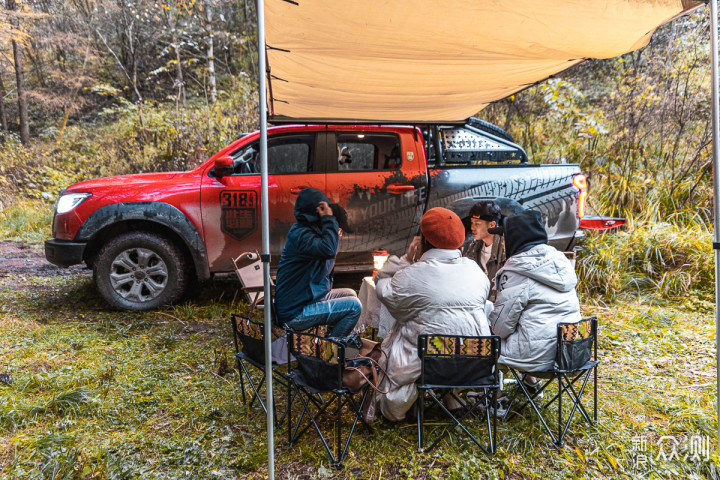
<point>490,128</point>
<point>140,271</point>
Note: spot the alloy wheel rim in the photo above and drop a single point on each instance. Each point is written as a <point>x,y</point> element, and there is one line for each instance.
<point>138,274</point>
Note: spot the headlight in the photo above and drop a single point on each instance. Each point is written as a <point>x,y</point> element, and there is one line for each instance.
<point>69,201</point>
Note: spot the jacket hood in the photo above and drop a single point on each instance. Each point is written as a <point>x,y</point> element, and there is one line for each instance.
<point>524,231</point>
<point>545,265</point>
<point>306,205</point>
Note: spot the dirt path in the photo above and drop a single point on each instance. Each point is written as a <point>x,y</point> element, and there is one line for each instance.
<point>28,259</point>
<point>18,259</point>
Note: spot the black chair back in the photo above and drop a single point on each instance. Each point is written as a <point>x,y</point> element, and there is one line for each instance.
<point>458,361</point>
<point>320,360</point>
<point>576,344</point>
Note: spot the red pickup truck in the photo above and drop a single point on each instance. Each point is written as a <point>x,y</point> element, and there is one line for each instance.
<point>147,236</point>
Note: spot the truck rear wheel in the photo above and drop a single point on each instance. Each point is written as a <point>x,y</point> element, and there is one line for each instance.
<point>140,271</point>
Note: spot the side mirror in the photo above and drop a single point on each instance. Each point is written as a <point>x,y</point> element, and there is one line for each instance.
<point>224,166</point>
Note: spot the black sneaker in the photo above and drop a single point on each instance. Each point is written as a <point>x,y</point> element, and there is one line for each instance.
<point>501,406</point>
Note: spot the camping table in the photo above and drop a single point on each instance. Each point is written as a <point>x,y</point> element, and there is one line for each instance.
<point>374,314</point>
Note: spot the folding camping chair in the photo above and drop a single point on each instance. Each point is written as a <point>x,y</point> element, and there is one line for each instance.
<point>248,268</point>
<point>575,360</point>
<point>450,362</point>
<point>250,350</point>
<point>320,367</point>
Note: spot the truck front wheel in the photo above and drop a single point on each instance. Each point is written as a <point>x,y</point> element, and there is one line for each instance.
<point>140,271</point>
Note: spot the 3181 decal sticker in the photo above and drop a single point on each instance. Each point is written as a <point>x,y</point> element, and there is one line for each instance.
<point>239,212</point>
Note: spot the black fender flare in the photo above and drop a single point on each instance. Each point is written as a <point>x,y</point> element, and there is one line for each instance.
<point>154,212</point>
<point>462,206</point>
<point>507,206</point>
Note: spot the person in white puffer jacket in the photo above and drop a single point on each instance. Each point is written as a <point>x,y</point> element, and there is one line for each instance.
<point>442,293</point>
<point>536,291</point>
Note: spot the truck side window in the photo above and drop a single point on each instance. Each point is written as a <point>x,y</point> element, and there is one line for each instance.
<point>286,155</point>
<point>368,151</point>
<point>292,154</point>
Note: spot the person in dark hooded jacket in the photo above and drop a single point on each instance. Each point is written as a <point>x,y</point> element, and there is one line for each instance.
<point>536,291</point>
<point>304,297</point>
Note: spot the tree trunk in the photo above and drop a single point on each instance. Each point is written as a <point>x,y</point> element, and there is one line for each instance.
<point>179,82</point>
<point>63,126</point>
<point>20,81</point>
<point>3,114</point>
<point>128,33</point>
<point>211,55</point>
<point>22,97</point>
<point>179,75</point>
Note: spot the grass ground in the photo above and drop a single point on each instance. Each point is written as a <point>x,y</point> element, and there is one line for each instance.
<point>103,394</point>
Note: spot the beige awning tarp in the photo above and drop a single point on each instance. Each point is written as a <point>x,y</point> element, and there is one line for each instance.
<point>431,61</point>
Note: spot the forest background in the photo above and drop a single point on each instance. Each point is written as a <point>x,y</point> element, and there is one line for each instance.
<point>93,88</point>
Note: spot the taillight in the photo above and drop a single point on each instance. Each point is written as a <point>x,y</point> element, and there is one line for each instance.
<point>581,183</point>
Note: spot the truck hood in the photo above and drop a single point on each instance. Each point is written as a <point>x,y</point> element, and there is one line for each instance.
<point>134,181</point>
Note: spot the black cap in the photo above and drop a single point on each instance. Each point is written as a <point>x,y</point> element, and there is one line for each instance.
<point>524,230</point>
<point>342,217</point>
<point>486,210</point>
<point>499,230</point>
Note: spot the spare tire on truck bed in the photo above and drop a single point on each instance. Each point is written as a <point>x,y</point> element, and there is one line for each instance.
<point>489,128</point>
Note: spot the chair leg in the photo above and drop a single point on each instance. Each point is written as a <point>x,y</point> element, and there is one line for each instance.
<point>559,441</point>
<point>491,431</point>
<point>242,379</point>
<point>338,432</point>
<point>565,389</point>
<point>256,391</point>
<point>281,380</point>
<point>528,397</point>
<point>496,394</point>
<point>570,390</point>
<point>458,423</point>
<point>358,416</point>
<point>509,413</point>
<point>595,375</point>
<point>254,301</point>
<point>313,423</point>
<point>289,414</point>
<point>359,408</point>
<point>577,403</point>
<point>421,418</point>
<point>533,405</point>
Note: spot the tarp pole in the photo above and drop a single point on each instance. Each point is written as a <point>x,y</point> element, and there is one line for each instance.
<point>265,220</point>
<point>716,198</point>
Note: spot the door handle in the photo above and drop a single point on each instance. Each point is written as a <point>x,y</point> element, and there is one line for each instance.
<point>297,190</point>
<point>397,189</point>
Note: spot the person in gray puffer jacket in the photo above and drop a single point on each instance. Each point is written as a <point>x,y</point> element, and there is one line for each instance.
<point>536,291</point>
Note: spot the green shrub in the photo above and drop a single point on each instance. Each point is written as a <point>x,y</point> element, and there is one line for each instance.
<point>657,259</point>
<point>27,220</point>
